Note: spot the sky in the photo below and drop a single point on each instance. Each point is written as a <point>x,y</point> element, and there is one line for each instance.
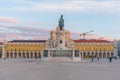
<point>34,19</point>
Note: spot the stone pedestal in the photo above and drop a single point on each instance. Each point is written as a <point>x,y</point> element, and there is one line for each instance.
<point>60,45</point>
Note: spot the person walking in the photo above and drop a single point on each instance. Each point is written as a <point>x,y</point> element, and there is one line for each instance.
<point>110,59</point>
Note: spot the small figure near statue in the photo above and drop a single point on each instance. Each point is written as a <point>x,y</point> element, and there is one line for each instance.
<point>61,22</point>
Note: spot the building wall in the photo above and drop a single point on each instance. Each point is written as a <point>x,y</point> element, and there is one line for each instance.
<point>26,46</point>
<point>102,50</point>
<point>24,50</point>
<point>34,50</point>
<point>94,46</point>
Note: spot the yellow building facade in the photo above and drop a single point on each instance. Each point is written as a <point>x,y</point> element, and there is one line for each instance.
<point>95,48</point>
<point>24,48</point>
<point>34,48</point>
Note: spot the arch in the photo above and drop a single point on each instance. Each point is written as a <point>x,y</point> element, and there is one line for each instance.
<point>35,54</point>
<point>7,55</point>
<point>15,55</point>
<point>100,55</point>
<point>104,55</point>
<point>76,53</point>
<point>84,54</point>
<point>31,54</point>
<point>24,55</point>
<point>92,54</point>
<point>19,55</point>
<point>11,55</point>
<point>96,54</point>
<point>112,54</point>
<point>39,55</point>
<point>88,54</point>
<point>27,55</point>
<point>108,54</point>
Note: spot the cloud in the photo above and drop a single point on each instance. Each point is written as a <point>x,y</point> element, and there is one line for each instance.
<point>41,23</point>
<point>76,35</point>
<point>29,32</point>
<point>68,6</point>
<point>9,20</point>
<point>20,32</point>
<point>39,34</point>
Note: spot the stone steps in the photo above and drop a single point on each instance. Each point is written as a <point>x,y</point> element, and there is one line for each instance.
<point>60,59</point>
<point>61,53</point>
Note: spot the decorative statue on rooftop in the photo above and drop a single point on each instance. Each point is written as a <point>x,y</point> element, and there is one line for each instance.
<point>61,22</point>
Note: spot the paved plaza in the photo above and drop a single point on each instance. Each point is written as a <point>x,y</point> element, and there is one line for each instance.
<point>32,69</point>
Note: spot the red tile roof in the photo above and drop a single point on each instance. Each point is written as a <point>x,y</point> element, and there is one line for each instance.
<point>43,41</point>
<point>90,40</point>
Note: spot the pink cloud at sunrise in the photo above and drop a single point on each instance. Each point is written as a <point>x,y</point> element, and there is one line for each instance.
<point>9,20</point>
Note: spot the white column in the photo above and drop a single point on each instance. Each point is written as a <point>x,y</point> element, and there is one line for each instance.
<point>79,54</point>
<point>86,52</point>
<point>90,53</point>
<point>110,54</point>
<point>73,54</point>
<point>98,54</point>
<point>13,54</point>
<point>114,53</point>
<point>25,54</point>
<point>21,54</point>
<point>17,55</point>
<point>33,54</point>
<point>29,55</point>
<point>94,54</point>
<point>48,54</point>
<point>106,54</point>
<point>102,54</point>
<point>9,54</point>
<point>41,54</point>
<point>37,54</point>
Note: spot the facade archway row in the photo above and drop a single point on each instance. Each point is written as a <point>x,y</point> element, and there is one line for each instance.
<point>23,54</point>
